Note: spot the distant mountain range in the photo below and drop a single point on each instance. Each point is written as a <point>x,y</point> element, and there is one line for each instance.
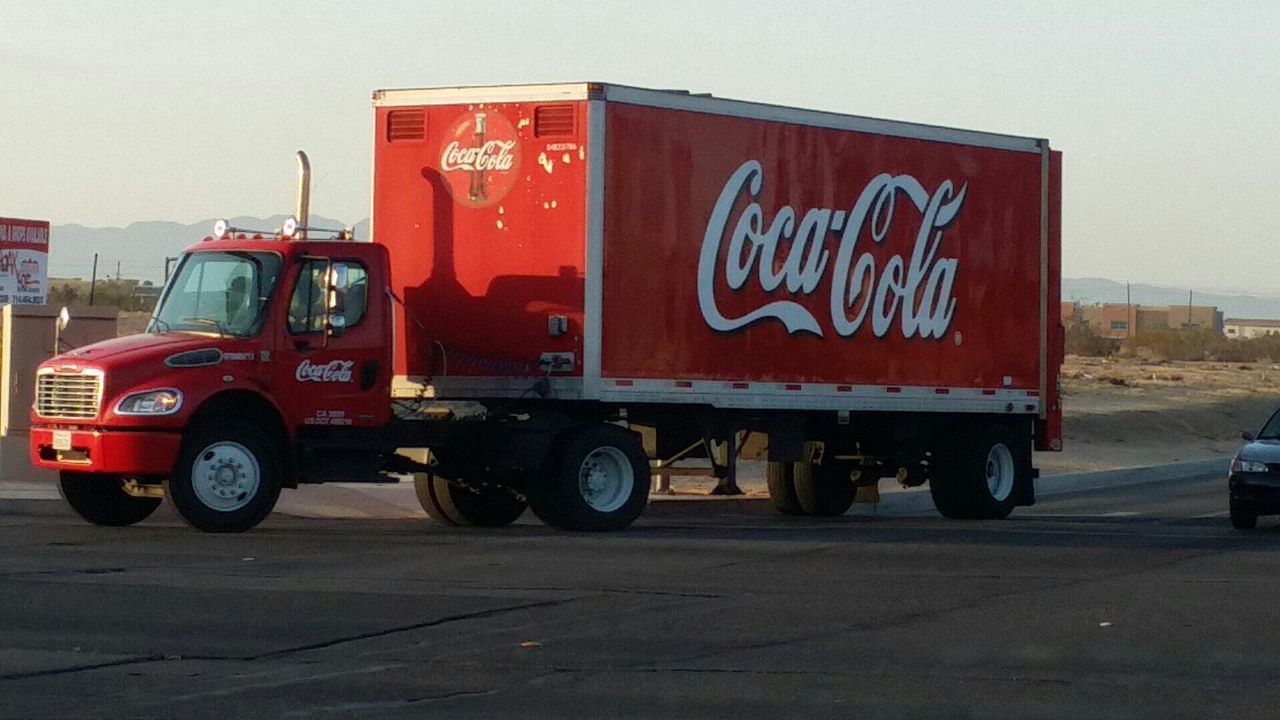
<point>1098,290</point>
<point>140,249</point>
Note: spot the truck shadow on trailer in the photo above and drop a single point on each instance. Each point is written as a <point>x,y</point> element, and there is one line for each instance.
<point>477,333</point>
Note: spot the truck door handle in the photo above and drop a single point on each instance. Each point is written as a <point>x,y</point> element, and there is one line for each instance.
<point>368,375</point>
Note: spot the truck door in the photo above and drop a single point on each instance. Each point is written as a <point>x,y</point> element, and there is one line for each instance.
<point>332,368</point>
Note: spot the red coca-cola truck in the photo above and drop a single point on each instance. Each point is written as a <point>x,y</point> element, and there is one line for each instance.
<point>567,282</point>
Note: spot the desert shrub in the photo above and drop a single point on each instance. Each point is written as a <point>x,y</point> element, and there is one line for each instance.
<point>1081,340</point>
<point>1201,345</point>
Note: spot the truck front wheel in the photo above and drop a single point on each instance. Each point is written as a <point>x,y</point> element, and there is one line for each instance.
<point>453,504</point>
<point>979,477</point>
<point>228,476</point>
<point>598,481</point>
<point>102,500</point>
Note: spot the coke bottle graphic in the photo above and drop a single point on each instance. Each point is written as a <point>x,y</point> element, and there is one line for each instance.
<point>476,191</point>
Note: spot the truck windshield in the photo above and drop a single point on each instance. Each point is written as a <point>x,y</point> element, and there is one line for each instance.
<point>219,292</point>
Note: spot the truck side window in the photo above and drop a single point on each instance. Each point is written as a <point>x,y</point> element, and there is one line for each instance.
<point>345,292</point>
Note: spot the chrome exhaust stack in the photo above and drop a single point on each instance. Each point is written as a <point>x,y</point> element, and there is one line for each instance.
<point>303,211</point>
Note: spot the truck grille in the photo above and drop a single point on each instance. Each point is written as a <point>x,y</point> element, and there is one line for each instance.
<point>74,396</point>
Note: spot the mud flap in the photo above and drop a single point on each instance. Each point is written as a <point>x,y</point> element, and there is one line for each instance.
<point>1027,489</point>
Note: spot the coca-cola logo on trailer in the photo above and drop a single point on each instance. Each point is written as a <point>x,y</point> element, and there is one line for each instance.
<point>912,292</point>
<point>480,158</point>
<point>334,371</point>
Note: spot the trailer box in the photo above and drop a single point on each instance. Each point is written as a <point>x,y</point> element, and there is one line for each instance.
<point>644,246</point>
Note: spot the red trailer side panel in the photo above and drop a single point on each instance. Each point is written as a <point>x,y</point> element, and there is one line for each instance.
<point>749,251</point>
<point>482,207</point>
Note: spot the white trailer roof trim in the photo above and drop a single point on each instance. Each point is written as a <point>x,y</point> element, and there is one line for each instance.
<point>674,100</point>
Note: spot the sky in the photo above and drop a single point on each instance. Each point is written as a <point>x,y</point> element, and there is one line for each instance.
<point>1168,113</point>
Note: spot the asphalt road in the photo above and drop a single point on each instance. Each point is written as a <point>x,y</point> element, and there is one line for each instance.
<point>1137,601</point>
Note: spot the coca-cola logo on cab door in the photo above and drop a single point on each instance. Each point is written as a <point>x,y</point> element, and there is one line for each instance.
<point>334,371</point>
<point>912,289</point>
<point>480,158</point>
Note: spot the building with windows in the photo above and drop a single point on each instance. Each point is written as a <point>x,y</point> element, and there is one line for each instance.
<point>1244,328</point>
<point>1120,320</point>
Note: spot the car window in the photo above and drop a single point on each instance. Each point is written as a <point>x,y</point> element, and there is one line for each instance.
<point>1271,430</point>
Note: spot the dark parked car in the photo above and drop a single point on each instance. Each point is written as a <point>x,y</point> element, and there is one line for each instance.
<point>1254,484</point>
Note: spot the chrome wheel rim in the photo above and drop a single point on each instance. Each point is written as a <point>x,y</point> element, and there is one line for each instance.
<point>999,472</point>
<point>226,476</point>
<point>606,479</point>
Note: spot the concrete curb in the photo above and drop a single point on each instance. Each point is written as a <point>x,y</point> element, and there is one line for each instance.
<point>895,502</point>
<point>1080,482</point>
<point>350,501</point>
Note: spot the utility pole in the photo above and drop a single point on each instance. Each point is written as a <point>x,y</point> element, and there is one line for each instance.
<point>117,271</point>
<point>93,282</point>
<point>168,265</point>
<point>1128,301</point>
<point>1189,294</point>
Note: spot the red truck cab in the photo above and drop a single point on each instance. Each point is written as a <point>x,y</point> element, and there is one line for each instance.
<point>254,343</point>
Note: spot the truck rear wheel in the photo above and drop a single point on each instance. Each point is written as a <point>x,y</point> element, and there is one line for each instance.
<point>228,476</point>
<point>453,504</point>
<point>979,478</point>
<point>599,480</point>
<point>780,477</point>
<point>101,499</point>
<point>826,489</point>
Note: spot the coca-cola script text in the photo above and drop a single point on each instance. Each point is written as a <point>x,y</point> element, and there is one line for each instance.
<point>334,371</point>
<point>914,291</point>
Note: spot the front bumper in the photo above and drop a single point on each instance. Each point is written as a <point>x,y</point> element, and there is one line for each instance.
<point>1261,490</point>
<point>98,450</point>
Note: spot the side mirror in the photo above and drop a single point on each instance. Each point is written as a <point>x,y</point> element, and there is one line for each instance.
<point>64,319</point>
<point>1248,436</point>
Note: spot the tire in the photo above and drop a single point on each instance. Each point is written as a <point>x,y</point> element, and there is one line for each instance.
<point>824,490</point>
<point>544,502</point>
<point>101,500</point>
<point>782,488</point>
<point>228,476</point>
<point>597,481</point>
<point>980,478</point>
<point>452,504</point>
<point>1243,516</point>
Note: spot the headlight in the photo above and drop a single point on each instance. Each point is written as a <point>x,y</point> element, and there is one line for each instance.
<point>1239,465</point>
<point>152,402</point>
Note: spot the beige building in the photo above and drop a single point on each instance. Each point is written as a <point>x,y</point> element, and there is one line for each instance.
<point>1244,328</point>
<point>1119,320</point>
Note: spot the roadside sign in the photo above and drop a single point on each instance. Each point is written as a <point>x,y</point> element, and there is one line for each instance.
<point>24,261</point>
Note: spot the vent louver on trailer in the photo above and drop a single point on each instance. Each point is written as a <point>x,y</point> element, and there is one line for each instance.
<point>406,125</point>
<point>553,120</point>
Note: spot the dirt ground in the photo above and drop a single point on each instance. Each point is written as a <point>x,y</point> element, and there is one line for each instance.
<point>1131,413</point>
